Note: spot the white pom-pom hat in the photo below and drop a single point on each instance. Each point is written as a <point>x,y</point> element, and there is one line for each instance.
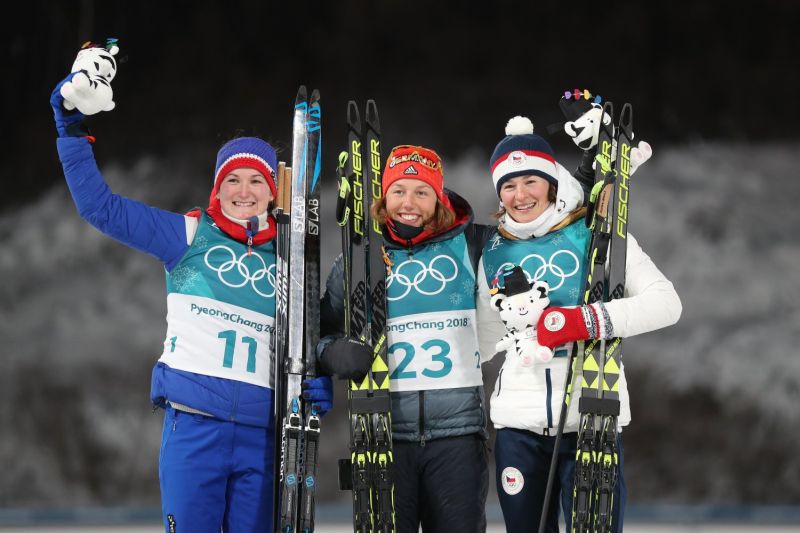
<point>522,153</point>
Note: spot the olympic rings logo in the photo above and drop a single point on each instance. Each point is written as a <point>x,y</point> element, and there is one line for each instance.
<point>566,268</point>
<point>228,276</point>
<point>402,275</point>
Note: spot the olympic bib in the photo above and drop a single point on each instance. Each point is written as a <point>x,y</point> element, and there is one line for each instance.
<point>435,277</point>
<point>209,337</point>
<point>236,271</point>
<point>221,308</point>
<point>557,258</point>
<point>431,333</point>
<point>433,351</point>
<point>424,279</point>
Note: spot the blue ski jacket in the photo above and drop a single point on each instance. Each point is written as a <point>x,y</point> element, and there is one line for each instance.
<point>162,234</point>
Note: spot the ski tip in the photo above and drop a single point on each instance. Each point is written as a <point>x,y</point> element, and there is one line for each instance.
<point>608,113</point>
<point>627,109</point>
<point>372,113</point>
<point>353,116</point>
<point>314,112</point>
<point>626,117</point>
<point>314,100</point>
<point>302,94</point>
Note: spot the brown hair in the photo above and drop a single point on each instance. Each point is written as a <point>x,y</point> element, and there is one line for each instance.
<point>442,219</point>
<point>552,194</point>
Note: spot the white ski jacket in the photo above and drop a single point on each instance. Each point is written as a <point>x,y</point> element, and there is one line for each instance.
<point>532,401</point>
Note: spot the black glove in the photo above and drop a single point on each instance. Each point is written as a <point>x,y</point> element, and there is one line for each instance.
<point>346,358</point>
<point>585,176</point>
<point>585,171</point>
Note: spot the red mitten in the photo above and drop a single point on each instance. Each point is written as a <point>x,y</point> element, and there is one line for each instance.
<point>560,325</point>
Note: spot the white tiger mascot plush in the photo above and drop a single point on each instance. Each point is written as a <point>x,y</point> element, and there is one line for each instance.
<point>520,304</point>
<point>89,90</point>
<point>584,116</point>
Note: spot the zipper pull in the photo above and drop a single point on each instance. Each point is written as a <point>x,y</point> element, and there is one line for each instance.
<point>252,229</point>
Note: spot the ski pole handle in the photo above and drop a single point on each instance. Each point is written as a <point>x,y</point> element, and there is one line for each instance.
<point>281,187</point>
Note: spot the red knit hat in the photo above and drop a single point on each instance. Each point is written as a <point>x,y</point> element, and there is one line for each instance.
<point>418,163</point>
<point>242,152</point>
<point>246,152</point>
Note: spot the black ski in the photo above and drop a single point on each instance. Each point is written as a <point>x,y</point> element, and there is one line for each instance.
<point>381,430</point>
<point>607,452</point>
<point>591,405</point>
<point>596,460</point>
<point>354,473</point>
<point>368,470</point>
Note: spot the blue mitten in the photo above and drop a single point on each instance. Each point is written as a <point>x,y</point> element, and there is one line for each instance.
<point>320,391</point>
<point>68,123</point>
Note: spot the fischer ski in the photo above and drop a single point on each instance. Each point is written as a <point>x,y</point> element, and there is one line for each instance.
<point>354,473</point>
<point>596,459</point>
<point>297,321</point>
<point>597,454</point>
<point>378,376</point>
<point>591,405</point>
<point>368,471</point>
<point>607,452</point>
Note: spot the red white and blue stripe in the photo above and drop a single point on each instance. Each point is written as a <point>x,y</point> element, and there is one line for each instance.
<point>522,153</point>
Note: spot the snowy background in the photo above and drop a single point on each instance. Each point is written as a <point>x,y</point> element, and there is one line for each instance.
<point>714,398</point>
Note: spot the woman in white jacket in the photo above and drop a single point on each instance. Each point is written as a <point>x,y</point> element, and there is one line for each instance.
<point>541,228</point>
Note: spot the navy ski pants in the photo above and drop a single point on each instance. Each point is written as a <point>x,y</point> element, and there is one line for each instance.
<point>215,475</point>
<point>523,463</point>
<point>441,485</point>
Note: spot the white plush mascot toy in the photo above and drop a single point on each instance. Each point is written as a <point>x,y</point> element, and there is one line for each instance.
<point>584,116</point>
<point>89,90</point>
<point>520,303</point>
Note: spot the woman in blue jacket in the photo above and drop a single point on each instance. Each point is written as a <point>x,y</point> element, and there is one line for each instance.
<point>213,378</point>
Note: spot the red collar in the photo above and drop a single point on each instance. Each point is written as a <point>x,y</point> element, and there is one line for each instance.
<point>234,230</point>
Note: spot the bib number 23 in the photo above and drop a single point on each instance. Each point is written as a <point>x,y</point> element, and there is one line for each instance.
<point>438,351</point>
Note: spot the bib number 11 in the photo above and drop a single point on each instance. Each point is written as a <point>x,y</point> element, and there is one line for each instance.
<point>230,345</point>
<point>438,351</point>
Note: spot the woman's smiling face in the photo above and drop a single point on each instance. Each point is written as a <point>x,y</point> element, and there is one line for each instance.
<point>525,197</point>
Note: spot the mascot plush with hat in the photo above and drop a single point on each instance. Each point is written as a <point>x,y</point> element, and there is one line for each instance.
<point>520,303</point>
